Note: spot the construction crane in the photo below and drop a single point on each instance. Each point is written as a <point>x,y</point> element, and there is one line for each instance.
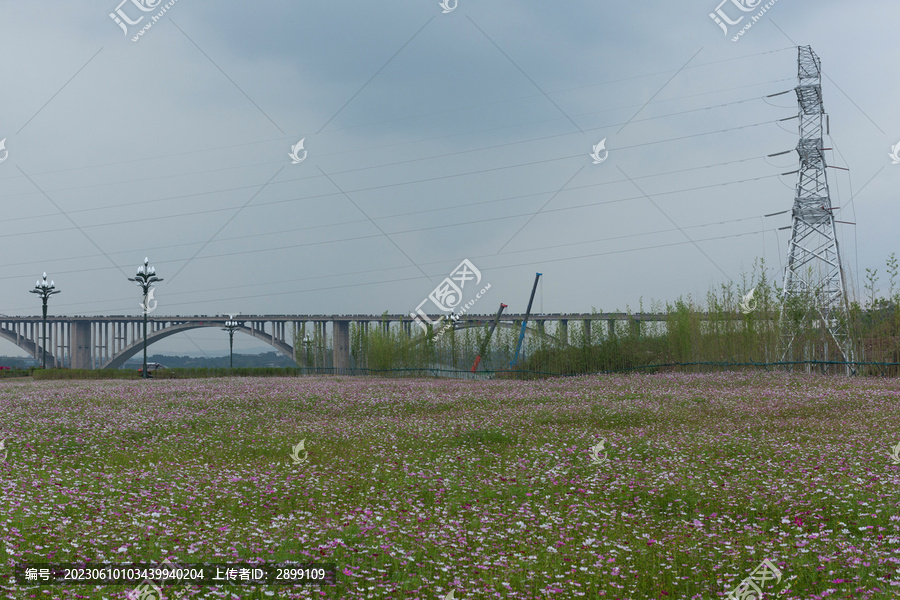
<point>525,321</point>
<point>487,339</point>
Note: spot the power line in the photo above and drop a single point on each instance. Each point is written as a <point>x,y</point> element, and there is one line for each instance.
<point>402,183</point>
<point>383,67</point>
<point>368,149</point>
<point>522,71</point>
<point>367,271</point>
<point>660,90</point>
<point>671,220</point>
<point>390,239</point>
<point>466,107</point>
<point>525,224</point>
<point>383,165</point>
<point>391,216</point>
<point>443,226</point>
<point>59,90</point>
<point>71,220</point>
<point>216,65</point>
<point>396,184</point>
<point>697,66</point>
<point>224,225</point>
<point>523,264</point>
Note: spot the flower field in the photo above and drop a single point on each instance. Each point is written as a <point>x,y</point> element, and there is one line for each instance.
<point>620,487</point>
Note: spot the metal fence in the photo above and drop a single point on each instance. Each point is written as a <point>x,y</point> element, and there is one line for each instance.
<point>857,368</point>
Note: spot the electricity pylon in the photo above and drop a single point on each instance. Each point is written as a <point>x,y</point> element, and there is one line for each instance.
<point>814,288</point>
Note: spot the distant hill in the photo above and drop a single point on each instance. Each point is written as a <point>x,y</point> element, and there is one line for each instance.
<point>19,362</point>
<point>267,359</point>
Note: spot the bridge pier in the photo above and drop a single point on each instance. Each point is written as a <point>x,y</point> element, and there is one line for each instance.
<point>340,355</point>
<point>81,345</point>
<point>322,343</point>
<point>362,362</point>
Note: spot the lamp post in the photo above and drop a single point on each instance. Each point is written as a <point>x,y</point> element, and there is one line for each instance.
<point>307,341</point>
<point>145,278</point>
<point>231,326</point>
<point>44,290</point>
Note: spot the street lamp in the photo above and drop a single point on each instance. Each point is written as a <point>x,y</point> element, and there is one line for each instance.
<point>231,326</point>
<point>45,290</point>
<point>307,341</point>
<point>145,278</point>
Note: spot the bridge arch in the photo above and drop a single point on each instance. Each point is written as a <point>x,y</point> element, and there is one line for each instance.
<point>31,347</point>
<point>124,354</point>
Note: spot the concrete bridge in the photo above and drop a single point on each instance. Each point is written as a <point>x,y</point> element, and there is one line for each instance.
<point>108,342</point>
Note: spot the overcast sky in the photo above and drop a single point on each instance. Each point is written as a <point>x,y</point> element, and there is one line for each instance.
<point>429,137</point>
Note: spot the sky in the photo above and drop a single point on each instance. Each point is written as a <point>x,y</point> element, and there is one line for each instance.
<point>430,134</point>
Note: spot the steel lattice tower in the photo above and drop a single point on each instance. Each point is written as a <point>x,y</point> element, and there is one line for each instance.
<point>814,289</point>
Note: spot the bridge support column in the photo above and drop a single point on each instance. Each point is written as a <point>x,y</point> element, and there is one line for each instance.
<point>340,356</point>
<point>587,332</point>
<point>636,328</point>
<point>611,328</point>
<point>81,345</point>
<point>362,362</point>
<point>563,332</point>
<point>322,344</point>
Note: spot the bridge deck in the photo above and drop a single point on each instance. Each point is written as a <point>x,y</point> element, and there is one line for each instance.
<point>90,342</point>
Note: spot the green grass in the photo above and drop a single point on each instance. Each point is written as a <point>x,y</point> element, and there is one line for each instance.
<point>446,485</point>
